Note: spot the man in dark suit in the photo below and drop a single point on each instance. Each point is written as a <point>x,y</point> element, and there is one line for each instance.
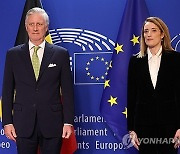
<point>35,75</point>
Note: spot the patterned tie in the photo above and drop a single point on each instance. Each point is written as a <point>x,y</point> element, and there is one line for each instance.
<point>35,62</point>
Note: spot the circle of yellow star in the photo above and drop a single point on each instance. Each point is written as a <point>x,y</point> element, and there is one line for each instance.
<point>110,64</point>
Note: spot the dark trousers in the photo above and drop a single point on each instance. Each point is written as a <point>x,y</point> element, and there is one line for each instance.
<point>37,140</point>
<point>156,140</point>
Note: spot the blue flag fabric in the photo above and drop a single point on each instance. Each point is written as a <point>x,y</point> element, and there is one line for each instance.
<point>114,99</point>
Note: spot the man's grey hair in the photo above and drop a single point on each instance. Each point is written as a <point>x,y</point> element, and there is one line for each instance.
<point>38,10</point>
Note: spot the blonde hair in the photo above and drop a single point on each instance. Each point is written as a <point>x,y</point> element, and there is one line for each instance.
<point>166,41</point>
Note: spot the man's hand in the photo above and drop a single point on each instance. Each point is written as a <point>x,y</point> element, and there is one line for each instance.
<point>67,131</point>
<point>177,139</point>
<point>10,132</point>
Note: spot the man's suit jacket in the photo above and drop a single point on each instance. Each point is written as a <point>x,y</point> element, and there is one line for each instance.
<point>37,100</point>
<point>154,107</point>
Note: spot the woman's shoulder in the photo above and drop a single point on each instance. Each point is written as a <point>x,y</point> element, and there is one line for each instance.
<point>137,57</point>
<point>135,60</point>
<point>172,53</point>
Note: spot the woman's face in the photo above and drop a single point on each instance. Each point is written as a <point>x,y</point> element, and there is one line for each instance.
<point>152,35</point>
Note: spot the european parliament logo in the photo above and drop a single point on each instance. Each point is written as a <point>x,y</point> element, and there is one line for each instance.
<point>91,63</point>
<point>176,42</point>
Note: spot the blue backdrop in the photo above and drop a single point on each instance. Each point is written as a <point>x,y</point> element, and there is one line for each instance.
<point>88,29</point>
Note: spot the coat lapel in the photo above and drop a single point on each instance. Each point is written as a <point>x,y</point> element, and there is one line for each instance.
<point>48,52</point>
<point>161,71</point>
<point>25,55</point>
<point>147,73</point>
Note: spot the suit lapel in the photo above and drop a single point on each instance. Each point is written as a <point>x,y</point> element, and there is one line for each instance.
<point>162,67</point>
<point>25,55</point>
<point>161,73</point>
<point>147,73</point>
<point>48,52</point>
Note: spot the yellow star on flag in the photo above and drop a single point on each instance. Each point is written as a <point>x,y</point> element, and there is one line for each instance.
<point>112,100</point>
<point>110,64</point>
<point>125,112</point>
<point>118,48</point>
<point>106,83</point>
<point>135,39</point>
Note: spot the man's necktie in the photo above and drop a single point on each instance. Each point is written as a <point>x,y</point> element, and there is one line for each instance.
<point>35,62</point>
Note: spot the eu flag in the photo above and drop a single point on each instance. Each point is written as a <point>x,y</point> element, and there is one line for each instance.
<point>113,105</point>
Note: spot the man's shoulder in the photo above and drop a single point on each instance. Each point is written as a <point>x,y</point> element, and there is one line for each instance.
<point>16,49</point>
<point>57,47</point>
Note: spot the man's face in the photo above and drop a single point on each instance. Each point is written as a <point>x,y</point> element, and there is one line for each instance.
<point>36,28</point>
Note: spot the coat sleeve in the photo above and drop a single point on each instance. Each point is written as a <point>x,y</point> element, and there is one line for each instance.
<point>177,112</point>
<point>67,90</point>
<point>131,94</point>
<point>8,91</point>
